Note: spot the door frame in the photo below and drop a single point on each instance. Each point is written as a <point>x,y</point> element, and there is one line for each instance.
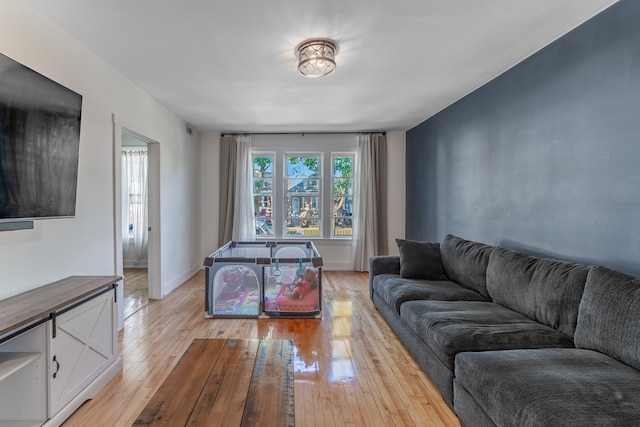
<point>120,126</point>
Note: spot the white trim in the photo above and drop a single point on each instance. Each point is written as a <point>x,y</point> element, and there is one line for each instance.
<point>121,125</point>
<point>154,253</point>
<point>338,266</point>
<point>320,195</point>
<point>332,179</point>
<point>179,280</point>
<point>135,264</point>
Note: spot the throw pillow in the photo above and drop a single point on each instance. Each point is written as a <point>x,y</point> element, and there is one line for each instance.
<point>420,260</point>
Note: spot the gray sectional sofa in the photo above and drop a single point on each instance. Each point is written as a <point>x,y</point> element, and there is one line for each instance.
<point>515,340</point>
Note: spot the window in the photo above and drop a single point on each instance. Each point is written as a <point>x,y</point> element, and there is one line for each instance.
<point>263,194</point>
<point>302,195</point>
<point>342,195</point>
<point>303,187</point>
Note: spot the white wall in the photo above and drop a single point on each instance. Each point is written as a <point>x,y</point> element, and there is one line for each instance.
<point>396,146</point>
<point>336,254</point>
<point>209,183</point>
<point>85,245</point>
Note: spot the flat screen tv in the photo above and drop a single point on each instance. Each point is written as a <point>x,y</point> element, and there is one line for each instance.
<point>39,145</point>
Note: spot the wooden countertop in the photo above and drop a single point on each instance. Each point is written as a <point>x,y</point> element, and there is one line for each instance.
<point>37,304</point>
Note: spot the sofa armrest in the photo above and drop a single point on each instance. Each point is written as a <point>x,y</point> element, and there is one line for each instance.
<point>387,264</point>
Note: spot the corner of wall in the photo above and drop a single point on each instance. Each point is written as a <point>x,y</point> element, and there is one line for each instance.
<point>396,190</point>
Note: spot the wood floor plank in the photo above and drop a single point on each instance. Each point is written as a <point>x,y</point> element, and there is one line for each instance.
<point>136,290</point>
<point>224,395</point>
<point>349,367</point>
<point>270,399</point>
<point>173,403</point>
<point>236,383</point>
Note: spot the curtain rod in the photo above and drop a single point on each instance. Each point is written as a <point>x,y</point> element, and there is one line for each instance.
<point>296,133</point>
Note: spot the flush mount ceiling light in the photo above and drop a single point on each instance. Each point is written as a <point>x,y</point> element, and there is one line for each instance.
<point>316,57</point>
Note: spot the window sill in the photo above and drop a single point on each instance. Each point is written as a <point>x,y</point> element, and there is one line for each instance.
<point>336,242</point>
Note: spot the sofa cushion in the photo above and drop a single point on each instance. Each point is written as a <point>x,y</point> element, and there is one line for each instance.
<point>609,315</point>
<point>547,388</point>
<point>465,262</point>
<point>395,290</point>
<point>545,290</point>
<point>451,327</point>
<point>420,260</point>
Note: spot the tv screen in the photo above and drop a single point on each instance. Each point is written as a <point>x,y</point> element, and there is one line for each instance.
<point>39,144</point>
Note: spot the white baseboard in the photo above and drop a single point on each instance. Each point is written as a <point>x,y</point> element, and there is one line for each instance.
<point>174,283</point>
<point>338,266</point>
<point>129,263</point>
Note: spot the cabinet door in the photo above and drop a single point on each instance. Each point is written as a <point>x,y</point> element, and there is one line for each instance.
<point>84,345</point>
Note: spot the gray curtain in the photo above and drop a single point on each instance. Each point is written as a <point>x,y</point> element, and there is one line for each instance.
<point>228,162</point>
<point>370,237</point>
<point>235,221</point>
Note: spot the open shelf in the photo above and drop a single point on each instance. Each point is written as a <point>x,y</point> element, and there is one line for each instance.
<point>22,382</point>
<point>12,362</point>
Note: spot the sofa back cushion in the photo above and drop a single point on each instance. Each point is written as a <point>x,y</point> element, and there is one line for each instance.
<point>609,316</point>
<point>465,262</point>
<point>420,260</point>
<point>545,290</point>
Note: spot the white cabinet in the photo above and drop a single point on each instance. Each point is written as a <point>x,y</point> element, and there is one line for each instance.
<point>58,348</point>
<point>23,379</point>
<point>82,348</point>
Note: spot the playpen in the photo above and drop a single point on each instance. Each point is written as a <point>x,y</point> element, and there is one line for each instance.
<point>264,279</point>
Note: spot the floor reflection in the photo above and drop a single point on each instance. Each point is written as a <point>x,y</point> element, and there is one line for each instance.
<point>324,352</point>
<point>342,366</point>
<point>136,293</point>
<point>305,361</point>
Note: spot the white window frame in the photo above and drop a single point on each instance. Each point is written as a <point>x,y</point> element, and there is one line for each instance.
<point>318,195</point>
<point>256,216</point>
<point>334,155</point>
<point>297,145</point>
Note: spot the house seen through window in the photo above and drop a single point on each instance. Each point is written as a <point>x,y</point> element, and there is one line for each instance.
<point>263,194</point>
<point>302,196</point>
<point>289,200</point>
<point>342,186</point>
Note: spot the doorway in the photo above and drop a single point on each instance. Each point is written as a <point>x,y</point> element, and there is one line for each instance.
<point>138,265</point>
<point>135,223</point>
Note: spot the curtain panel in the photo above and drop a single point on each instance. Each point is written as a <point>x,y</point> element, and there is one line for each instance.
<point>235,219</point>
<point>135,204</point>
<point>370,234</point>
<point>228,162</point>
<point>243,221</point>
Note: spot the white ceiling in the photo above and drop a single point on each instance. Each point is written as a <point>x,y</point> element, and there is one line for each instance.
<point>229,65</point>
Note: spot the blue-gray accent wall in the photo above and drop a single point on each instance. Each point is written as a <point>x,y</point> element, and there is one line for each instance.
<point>545,158</point>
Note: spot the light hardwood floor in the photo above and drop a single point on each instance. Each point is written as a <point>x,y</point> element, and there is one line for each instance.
<point>350,369</point>
<point>136,290</point>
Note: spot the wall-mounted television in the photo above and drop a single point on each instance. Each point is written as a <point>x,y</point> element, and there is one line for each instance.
<point>39,145</point>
